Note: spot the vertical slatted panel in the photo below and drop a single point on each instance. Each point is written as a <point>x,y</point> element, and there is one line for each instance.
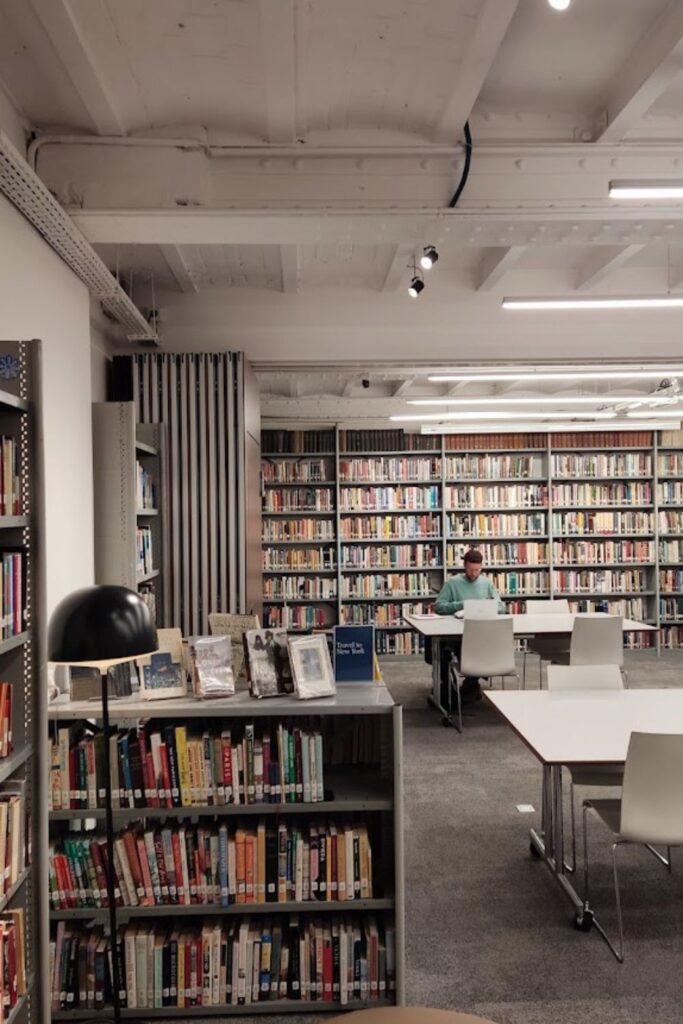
<point>199,398</point>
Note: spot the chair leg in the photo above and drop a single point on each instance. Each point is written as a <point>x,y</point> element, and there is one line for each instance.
<point>666,861</point>
<point>586,805</point>
<point>572,867</point>
<point>524,653</point>
<point>620,954</point>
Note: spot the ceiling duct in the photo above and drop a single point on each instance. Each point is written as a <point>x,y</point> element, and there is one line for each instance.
<point>26,191</point>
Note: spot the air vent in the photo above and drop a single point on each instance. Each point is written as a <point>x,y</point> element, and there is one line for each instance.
<point>26,191</point>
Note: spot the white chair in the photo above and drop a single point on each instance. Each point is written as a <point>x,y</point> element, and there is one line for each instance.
<point>488,651</point>
<point>650,811</point>
<point>597,641</point>
<point>548,648</point>
<point>479,609</point>
<point>586,677</point>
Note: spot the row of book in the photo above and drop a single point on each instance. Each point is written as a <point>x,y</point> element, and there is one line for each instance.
<point>386,441</point>
<point>145,488</point>
<point>493,467</point>
<point>298,499</point>
<point>306,471</point>
<point>296,441</point>
<point>489,442</point>
<point>169,767</point>
<point>417,584</point>
<point>586,464</point>
<point>6,746</point>
<point>671,638</point>
<point>148,594</point>
<point>404,643</point>
<point>12,613</point>
<point>621,493</point>
<point>397,469</point>
<point>670,521</point>
<point>391,556</point>
<point>193,866</point>
<point>338,958</point>
<point>628,608</point>
<point>508,553</point>
<point>671,609</point>
<point>509,584</point>
<point>602,439</point>
<point>592,581</point>
<point>383,615</point>
<point>670,492</point>
<point>671,551</point>
<point>670,464</point>
<point>13,981</point>
<point>473,496</point>
<point>310,588</point>
<point>297,618</point>
<point>405,497</point>
<point>638,641</point>
<point>144,562</point>
<point>591,521</point>
<point>298,529</point>
<point>15,838</point>
<point>587,552</point>
<point>277,560</point>
<point>496,524</point>
<point>671,579</point>
<point>390,527</point>
<point>10,477</point>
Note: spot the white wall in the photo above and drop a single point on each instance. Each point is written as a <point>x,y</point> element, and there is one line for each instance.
<point>41,298</point>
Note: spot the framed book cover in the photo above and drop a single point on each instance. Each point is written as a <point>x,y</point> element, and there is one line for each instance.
<point>268,664</point>
<point>311,667</point>
<point>162,674</point>
<point>354,654</point>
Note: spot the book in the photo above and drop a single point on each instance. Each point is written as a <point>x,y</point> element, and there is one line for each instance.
<point>268,664</point>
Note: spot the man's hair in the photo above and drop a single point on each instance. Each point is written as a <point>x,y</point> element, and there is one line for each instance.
<point>473,556</point>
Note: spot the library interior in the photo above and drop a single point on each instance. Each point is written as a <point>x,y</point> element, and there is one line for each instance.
<point>341,508</point>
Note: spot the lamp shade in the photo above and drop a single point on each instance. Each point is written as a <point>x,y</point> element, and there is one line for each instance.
<point>100,626</point>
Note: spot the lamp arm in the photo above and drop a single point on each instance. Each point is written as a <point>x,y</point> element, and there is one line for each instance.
<point>111,889</point>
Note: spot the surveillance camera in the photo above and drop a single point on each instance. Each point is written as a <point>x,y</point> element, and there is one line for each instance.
<point>365,382</point>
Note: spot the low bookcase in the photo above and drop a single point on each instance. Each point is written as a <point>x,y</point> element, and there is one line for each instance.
<point>343,953</point>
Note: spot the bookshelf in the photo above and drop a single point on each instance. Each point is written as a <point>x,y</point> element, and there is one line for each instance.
<point>130,477</point>
<point>22,657</point>
<point>596,518</point>
<point>361,784</point>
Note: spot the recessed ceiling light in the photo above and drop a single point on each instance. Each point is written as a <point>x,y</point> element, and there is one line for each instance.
<point>611,302</point>
<point>654,189</point>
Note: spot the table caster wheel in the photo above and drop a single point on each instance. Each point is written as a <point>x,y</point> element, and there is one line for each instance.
<point>446,722</point>
<point>583,920</point>
<point>534,851</point>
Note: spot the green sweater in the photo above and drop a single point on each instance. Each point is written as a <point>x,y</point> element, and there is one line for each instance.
<point>458,589</point>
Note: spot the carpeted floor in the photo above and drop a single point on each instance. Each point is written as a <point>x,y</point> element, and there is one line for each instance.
<point>488,931</point>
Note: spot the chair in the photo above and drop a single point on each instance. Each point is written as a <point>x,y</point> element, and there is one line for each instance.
<point>650,810</point>
<point>488,650</point>
<point>597,640</point>
<point>407,1015</point>
<point>479,609</point>
<point>587,677</point>
<point>548,648</point>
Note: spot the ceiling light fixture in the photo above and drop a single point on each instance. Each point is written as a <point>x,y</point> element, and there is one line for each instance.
<point>606,302</point>
<point>559,5</point>
<point>642,414</point>
<point>580,375</point>
<point>606,414</point>
<point>551,427</point>
<point>661,188</point>
<point>415,287</point>
<point>429,257</point>
<point>545,400</point>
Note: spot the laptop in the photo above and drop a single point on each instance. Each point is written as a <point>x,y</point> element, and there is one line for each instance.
<point>474,609</point>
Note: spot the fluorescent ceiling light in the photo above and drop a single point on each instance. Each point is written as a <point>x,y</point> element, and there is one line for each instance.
<point>546,400</point>
<point>580,375</point>
<point>656,188</point>
<point>641,415</point>
<point>608,414</point>
<point>590,302</point>
<point>551,427</point>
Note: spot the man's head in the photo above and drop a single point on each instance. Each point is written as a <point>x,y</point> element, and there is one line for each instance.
<point>473,564</point>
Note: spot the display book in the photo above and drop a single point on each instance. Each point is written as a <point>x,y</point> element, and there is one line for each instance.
<point>263,872</point>
<point>567,515</point>
<point>21,679</point>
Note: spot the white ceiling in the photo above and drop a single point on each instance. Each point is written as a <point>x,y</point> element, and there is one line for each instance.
<point>303,152</point>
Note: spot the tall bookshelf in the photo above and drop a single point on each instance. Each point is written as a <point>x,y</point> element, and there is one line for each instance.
<point>22,655</point>
<point>596,519</point>
<point>361,744</point>
<point>129,465</point>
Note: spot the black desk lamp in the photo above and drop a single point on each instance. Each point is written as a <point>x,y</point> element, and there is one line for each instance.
<point>99,627</point>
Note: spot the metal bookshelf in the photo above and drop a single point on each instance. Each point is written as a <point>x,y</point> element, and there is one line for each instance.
<point>367,789</point>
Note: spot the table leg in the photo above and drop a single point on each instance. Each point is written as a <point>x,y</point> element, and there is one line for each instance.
<point>435,696</point>
<point>549,843</point>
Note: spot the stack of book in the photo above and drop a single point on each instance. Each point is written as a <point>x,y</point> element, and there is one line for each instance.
<point>10,478</point>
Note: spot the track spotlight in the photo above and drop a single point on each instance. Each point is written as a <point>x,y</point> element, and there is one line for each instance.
<point>429,257</point>
<point>416,286</point>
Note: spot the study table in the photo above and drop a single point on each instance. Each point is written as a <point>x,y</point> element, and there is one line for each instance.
<point>445,627</point>
<point>579,728</point>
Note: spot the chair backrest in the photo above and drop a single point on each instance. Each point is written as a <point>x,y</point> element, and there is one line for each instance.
<point>597,641</point>
<point>488,647</point>
<point>652,795</point>
<point>585,677</point>
<point>479,609</point>
<point>559,607</point>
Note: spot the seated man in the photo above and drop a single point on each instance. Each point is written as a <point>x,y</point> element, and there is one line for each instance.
<point>466,586</point>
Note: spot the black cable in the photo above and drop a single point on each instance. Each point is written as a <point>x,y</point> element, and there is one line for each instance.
<point>466,168</point>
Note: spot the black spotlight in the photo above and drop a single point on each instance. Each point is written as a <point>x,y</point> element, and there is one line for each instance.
<point>429,257</point>
<point>416,286</point>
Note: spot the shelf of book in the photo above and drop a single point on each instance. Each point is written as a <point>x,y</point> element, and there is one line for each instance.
<point>362,750</point>
<point>269,1006</point>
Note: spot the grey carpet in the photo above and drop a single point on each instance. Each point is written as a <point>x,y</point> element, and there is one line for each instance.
<point>487,930</point>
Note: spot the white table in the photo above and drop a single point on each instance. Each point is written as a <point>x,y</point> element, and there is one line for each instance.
<point>444,627</point>
<point>578,728</point>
